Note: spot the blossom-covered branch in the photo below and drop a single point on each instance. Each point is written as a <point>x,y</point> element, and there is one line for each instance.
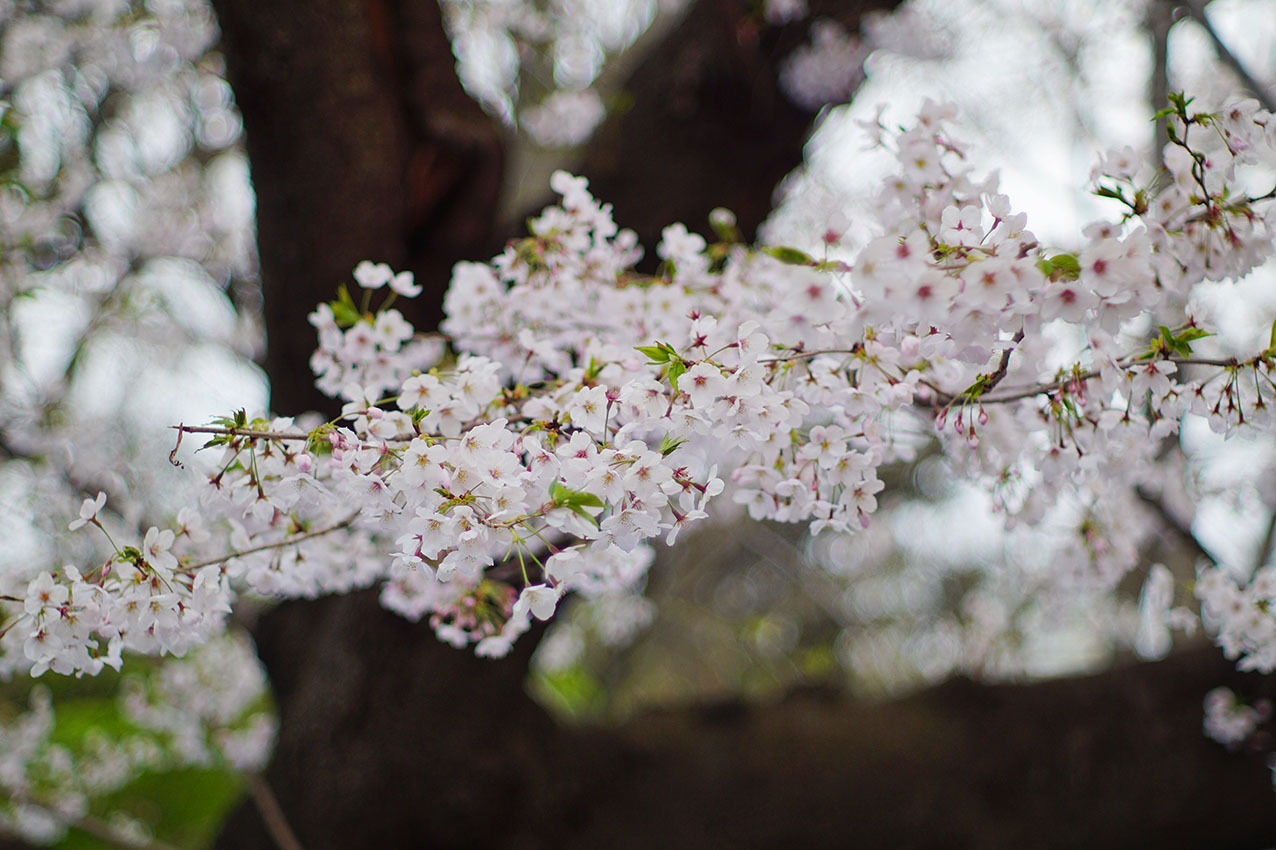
<point>583,411</point>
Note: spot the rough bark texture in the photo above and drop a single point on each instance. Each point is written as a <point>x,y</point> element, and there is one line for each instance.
<point>709,125</point>
<point>363,146</point>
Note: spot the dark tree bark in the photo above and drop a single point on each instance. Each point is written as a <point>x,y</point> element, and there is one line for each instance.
<point>709,125</point>
<point>363,145</point>
<point>1110,761</point>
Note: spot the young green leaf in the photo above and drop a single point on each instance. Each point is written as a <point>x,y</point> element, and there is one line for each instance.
<point>790,256</point>
<point>676,370</point>
<point>668,445</point>
<point>344,310</point>
<point>585,505</point>
<point>655,353</point>
<point>1066,266</point>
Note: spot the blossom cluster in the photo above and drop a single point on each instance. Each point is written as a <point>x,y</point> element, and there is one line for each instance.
<point>565,118</point>
<point>140,600</point>
<point>206,710</point>
<point>585,409</point>
<point>827,70</point>
<point>373,356</point>
<point>1230,721</point>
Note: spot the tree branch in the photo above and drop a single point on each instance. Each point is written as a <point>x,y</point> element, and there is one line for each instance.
<point>1196,9</point>
<point>1181,531</point>
<point>271,814</point>
<point>300,538</point>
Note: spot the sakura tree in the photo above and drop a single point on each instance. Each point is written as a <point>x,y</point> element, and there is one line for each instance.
<point>572,411</point>
<point>556,443</point>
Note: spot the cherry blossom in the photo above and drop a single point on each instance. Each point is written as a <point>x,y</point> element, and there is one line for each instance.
<point>575,411</point>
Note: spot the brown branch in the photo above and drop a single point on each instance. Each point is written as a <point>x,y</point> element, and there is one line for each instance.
<point>271,814</point>
<point>1196,10</point>
<point>994,377</point>
<point>709,125</point>
<point>278,544</point>
<point>1054,386</point>
<point>1158,21</point>
<point>1181,531</point>
<point>1108,761</point>
<point>239,432</point>
<point>805,355</point>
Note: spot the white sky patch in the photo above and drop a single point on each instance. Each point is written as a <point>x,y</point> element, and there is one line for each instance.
<point>960,530</point>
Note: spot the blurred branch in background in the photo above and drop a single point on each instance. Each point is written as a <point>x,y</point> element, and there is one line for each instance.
<point>1263,91</point>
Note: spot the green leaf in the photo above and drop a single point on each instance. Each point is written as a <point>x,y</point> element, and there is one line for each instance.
<point>790,256</point>
<point>1272,343</point>
<point>1180,343</point>
<point>1109,192</point>
<point>1193,334</point>
<point>668,445</point>
<point>1066,265</point>
<point>343,309</point>
<point>975,390</point>
<point>1140,202</point>
<point>676,370</point>
<point>565,497</point>
<point>317,441</point>
<point>585,505</point>
<point>656,353</point>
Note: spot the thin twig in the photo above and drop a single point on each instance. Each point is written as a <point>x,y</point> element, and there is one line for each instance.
<point>279,544</point>
<point>805,355</point>
<point>1039,389</point>
<point>172,456</point>
<point>1053,386</point>
<point>997,374</point>
<point>238,432</point>
<point>272,815</point>
<point>266,435</point>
